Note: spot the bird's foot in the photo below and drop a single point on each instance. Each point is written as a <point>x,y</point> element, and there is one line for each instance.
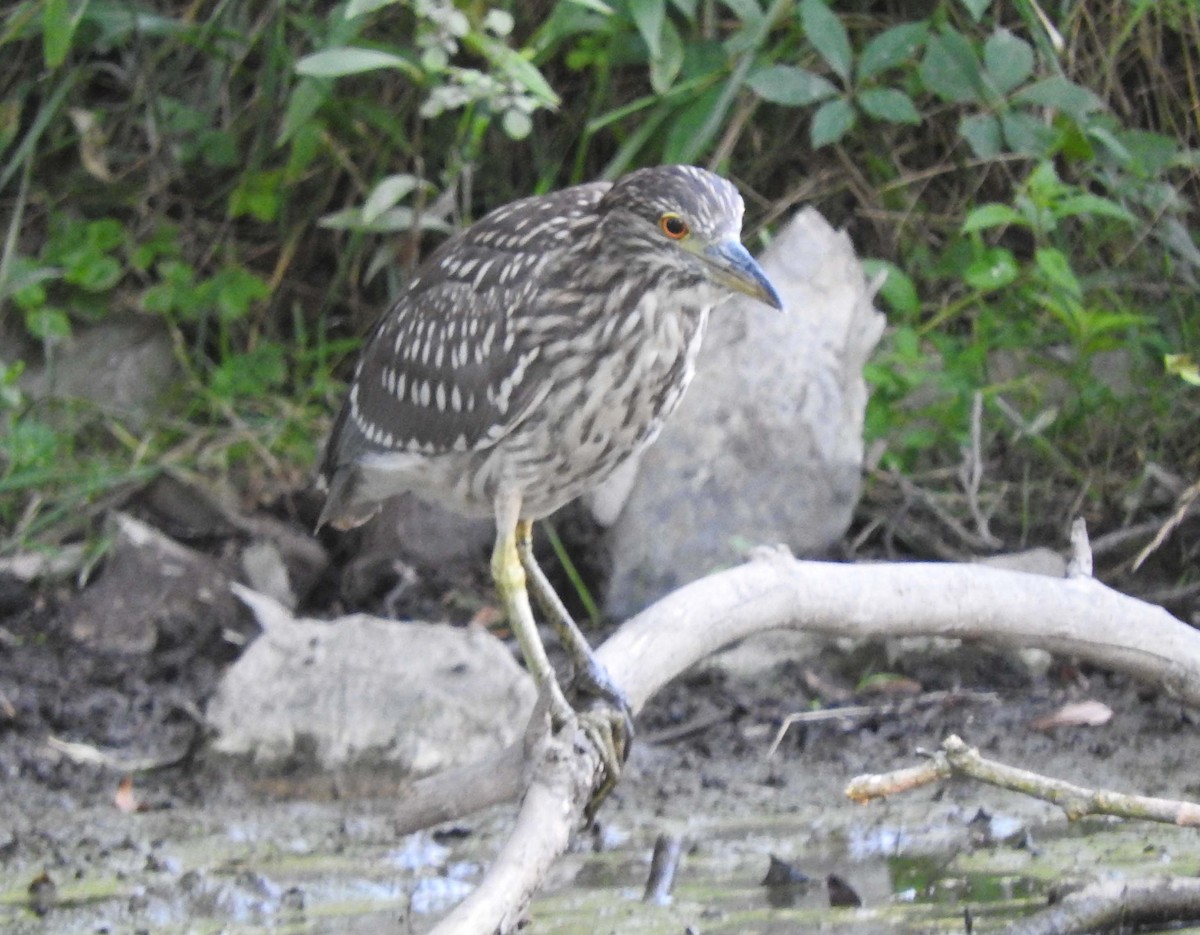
<point>606,727</point>
<point>593,689</point>
<point>610,732</point>
<point>606,720</point>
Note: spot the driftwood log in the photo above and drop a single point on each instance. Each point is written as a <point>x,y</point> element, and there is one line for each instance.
<point>555,776</point>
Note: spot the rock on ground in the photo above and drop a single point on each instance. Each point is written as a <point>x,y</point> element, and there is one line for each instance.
<point>155,593</point>
<point>362,691</point>
<point>124,364</point>
<point>767,444</point>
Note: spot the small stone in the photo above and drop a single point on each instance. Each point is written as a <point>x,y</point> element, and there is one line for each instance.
<point>362,690</point>
<point>153,592</point>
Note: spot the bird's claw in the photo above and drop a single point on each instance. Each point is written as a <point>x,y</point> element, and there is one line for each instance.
<point>605,718</point>
<point>593,689</point>
<point>610,732</point>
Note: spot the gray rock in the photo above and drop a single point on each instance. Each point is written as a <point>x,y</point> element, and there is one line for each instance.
<point>362,691</point>
<point>123,364</point>
<point>281,559</point>
<point>266,571</point>
<point>411,536</point>
<point>154,592</point>
<point>767,444</point>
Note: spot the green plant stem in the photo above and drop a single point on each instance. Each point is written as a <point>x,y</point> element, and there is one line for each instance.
<point>576,579</point>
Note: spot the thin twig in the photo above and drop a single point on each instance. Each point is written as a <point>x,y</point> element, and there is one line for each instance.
<point>970,473</point>
<point>1080,565</point>
<point>957,759</point>
<point>865,711</point>
<point>663,866</point>
<point>1184,504</point>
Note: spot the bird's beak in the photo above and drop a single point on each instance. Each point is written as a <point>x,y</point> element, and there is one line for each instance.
<point>731,265</point>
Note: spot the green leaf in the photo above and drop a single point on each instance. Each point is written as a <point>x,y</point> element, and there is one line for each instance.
<point>596,6</point>
<point>362,7</point>
<point>1044,185</point>
<point>236,289</point>
<point>251,375</point>
<point>303,148</point>
<point>991,215</point>
<point>827,35</point>
<point>1097,323</point>
<point>648,16</point>
<point>162,242</point>
<point>1090,205</point>
<point>390,221</point>
<point>977,8</point>
<point>686,128</point>
<point>786,84</point>
<point>951,69</point>
<point>387,193</point>
<point>891,48</point>
<point>1182,366</point>
<point>352,60</point>
<point>23,281</point>
<point>105,234</point>
<point>1008,60</point>
<point>983,135</point>
<point>1147,153</point>
<point>833,120</point>
<point>1072,99</point>
<point>664,67</point>
<point>898,289</point>
<point>516,66</point>
<point>993,269</point>
<point>48,324</point>
<point>258,194</point>
<point>1026,134</point>
<point>31,443</point>
<point>1056,269</point>
<point>889,104</point>
<point>58,28</point>
<point>303,103</point>
<point>93,272</point>
<point>174,290</point>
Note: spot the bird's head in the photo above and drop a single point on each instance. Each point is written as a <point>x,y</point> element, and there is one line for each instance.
<point>690,220</point>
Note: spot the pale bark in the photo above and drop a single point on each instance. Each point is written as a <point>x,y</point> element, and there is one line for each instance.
<point>1075,616</point>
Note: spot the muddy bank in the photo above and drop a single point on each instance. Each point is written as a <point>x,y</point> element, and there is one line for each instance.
<point>202,844</point>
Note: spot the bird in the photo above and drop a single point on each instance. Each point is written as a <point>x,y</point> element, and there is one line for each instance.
<point>528,357</point>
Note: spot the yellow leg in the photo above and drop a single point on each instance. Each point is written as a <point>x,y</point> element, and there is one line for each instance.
<point>608,721</point>
<point>510,583</point>
<point>560,618</point>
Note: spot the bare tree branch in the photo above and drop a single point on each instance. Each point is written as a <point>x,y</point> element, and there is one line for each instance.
<point>1075,616</point>
<point>957,759</point>
<point>1115,904</point>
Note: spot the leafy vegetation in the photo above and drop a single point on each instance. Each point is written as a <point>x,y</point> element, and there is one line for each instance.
<point>258,179</point>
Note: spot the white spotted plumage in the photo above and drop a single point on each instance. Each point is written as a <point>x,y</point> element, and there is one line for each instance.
<point>536,350</point>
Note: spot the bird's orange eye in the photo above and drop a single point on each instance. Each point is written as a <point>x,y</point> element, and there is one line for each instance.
<point>673,226</point>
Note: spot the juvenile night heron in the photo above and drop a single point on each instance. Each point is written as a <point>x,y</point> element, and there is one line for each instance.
<point>531,355</point>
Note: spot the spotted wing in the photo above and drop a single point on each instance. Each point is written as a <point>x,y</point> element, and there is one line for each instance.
<point>447,368</point>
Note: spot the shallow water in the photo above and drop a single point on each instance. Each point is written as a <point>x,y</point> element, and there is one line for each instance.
<point>335,867</point>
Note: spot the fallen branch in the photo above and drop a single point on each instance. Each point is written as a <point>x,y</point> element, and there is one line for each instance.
<point>957,759</point>
<point>1076,616</point>
<point>563,779</point>
<point>1116,904</point>
<point>891,709</point>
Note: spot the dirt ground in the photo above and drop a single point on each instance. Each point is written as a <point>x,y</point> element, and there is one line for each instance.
<point>196,843</point>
